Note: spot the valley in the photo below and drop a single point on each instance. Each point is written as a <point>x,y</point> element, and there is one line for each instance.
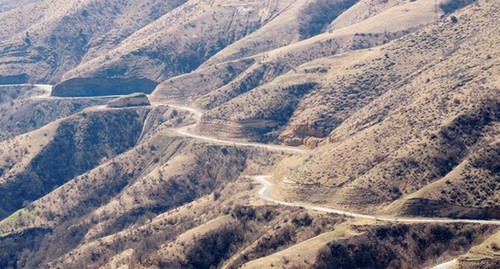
<point>261,179</point>
<point>249,134</point>
<point>263,193</point>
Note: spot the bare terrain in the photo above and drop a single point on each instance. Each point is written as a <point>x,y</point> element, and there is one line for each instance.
<point>249,134</point>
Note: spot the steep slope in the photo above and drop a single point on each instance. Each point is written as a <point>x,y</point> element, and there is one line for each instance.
<point>486,255</point>
<point>437,125</point>
<point>7,5</point>
<point>391,111</point>
<point>76,145</point>
<point>157,176</point>
<point>383,246</point>
<point>182,40</point>
<point>24,108</point>
<point>299,21</point>
<point>43,43</point>
<point>236,87</point>
<point>42,40</point>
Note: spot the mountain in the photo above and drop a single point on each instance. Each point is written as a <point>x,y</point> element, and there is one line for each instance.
<point>42,40</point>
<point>249,134</point>
<point>421,130</point>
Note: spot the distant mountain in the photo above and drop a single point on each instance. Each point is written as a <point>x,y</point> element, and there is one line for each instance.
<point>42,40</point>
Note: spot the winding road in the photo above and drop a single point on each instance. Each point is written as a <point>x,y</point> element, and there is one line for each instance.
<point>47,89</point>
<point>266,185</point>
<point>263,179</point>
<point>446,265</point>
<point>186,131</point>
<point>263,193</point>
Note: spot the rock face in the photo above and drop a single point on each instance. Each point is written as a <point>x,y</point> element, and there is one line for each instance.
<point>137,99</point>
<point>14,79</point>
<point>82,87</point>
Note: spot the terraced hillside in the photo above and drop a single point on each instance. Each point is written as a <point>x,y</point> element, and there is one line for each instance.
<point>424,144</point>
<point>249,134</point>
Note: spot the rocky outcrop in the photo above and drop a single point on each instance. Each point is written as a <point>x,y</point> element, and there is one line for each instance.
<point>255,130</point>
<point>137,99</point>
<point>81,87</point>
<point>14,79</point>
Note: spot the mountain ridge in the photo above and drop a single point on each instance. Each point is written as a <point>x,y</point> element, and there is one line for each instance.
<point>258,134</point>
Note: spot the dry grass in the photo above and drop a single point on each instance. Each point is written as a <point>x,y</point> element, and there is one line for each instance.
<point>418,131</point>
<point>390,123</point>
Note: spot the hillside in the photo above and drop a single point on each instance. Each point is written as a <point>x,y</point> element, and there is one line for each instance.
<point>21,109</point>
<point>485,255</point>
<point>74,146</point>
<point>100,43</point>
<point>239,87</point>
<point>42,40</point>
<point>11,4</point>
<point>442,161</point>
<point>249,134</point>
<point>131,100</point>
